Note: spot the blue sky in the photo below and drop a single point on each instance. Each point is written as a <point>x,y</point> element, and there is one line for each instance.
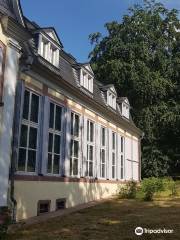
<point>74,20</point>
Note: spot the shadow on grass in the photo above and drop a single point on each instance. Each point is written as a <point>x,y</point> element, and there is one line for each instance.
<point>112,220</point>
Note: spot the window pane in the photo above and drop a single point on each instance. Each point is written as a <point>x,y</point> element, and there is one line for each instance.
<point>88,130</point>
<point>71,166</point>
<point>50,142</point>
<point>56,164</point>
<point>23,141</point>
<point>31,161</point>
<point>22,160</point>
<point>90,169</point>
<point>103,156</point>
<point>113,140</point>
<point>76,126</point>
<point>103,136</point>
<point>91,131</point>
<point>91,153</point>
<point>32,138</point>
<point>113,158</point>
<point>86,168</point>
<point>122,143</point>
<point>75,167</point>
<point>58,118</point>
<point>49,165</point>
<point>113,172</point>
<point>103,171</point>
<point>76,148</point>
<point>71,148</point>
<point>57,141</point>
<point>26,105</point>
<point>34,108</point>
<point>72,117</point>
<point>51,119</point>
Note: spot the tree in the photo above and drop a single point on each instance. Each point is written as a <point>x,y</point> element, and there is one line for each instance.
<point>141,57</point>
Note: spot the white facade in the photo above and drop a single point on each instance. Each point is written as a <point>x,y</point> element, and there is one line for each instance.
<point>7,113</point>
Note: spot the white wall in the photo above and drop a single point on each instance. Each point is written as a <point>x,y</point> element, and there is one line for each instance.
<point>131,159</point>
<point>10,80</point>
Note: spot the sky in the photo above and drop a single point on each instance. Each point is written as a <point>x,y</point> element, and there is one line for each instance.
<point>74,20</point>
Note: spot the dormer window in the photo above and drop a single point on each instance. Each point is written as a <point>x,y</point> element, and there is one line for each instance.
<point>125,107</point>
<point>86,80</point>
<point>49,51</point>
<point>49,45</point>
<point>111,99</point>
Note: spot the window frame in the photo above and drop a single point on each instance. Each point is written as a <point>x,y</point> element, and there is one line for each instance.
<point>3,47</point>
<point>111,99</point>
<point>103,148</point>
<point>113,153</point>
<point>48,50</point>
<point>86,80</point>
<point>122,158</point>
<point>77,139</point>
<point>29,124</point>
<point>90,144</point>
<point>55,132</point>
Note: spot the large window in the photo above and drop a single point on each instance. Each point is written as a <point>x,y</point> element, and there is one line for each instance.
<point>90,149</point>
<point>103,153</point>
<point>74,148</point>
<point>113,155</point>
<point>122,158</point>
<point>28,143</point>
<point>54,139</point>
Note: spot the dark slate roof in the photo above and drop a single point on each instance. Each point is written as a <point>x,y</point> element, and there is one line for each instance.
<point>12,8</point>
<point>69,71</point>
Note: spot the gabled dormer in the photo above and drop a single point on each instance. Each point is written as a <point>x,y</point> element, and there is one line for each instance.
<point>86,76</point>
<point>49,45</point>
<point>124,106</point>
<point>111,95</point>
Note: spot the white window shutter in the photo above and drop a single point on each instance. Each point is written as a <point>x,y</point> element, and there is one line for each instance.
<point>68,142</point>
<point>84,146</point>
<point>97,150</point>
<point>45,124</point>
<point>109,165</point>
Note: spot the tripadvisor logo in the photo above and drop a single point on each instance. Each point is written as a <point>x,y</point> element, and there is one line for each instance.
<point>140,231</point>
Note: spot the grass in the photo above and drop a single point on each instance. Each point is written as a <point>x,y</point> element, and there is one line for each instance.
<point>112,220</point>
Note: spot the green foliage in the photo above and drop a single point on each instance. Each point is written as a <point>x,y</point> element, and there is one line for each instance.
<point>141,57</point>
<point>150,186</point>
<point>128,190</point>
<point>170,185</point>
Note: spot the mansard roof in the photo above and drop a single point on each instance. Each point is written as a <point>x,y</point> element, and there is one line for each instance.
<point>109,87</point>
<point>12,8</point>
<point>68,72</point>
<point>123,99</point>
<point>51,33</point>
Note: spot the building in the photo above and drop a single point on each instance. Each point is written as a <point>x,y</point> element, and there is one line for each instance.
<point>65,138</point>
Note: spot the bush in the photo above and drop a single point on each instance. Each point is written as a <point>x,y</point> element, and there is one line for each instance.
<point>170,185</point>
<point>129,190</point>
<point>150,186</point>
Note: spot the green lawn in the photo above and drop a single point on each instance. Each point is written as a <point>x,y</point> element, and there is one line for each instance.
<point>112,220</point>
